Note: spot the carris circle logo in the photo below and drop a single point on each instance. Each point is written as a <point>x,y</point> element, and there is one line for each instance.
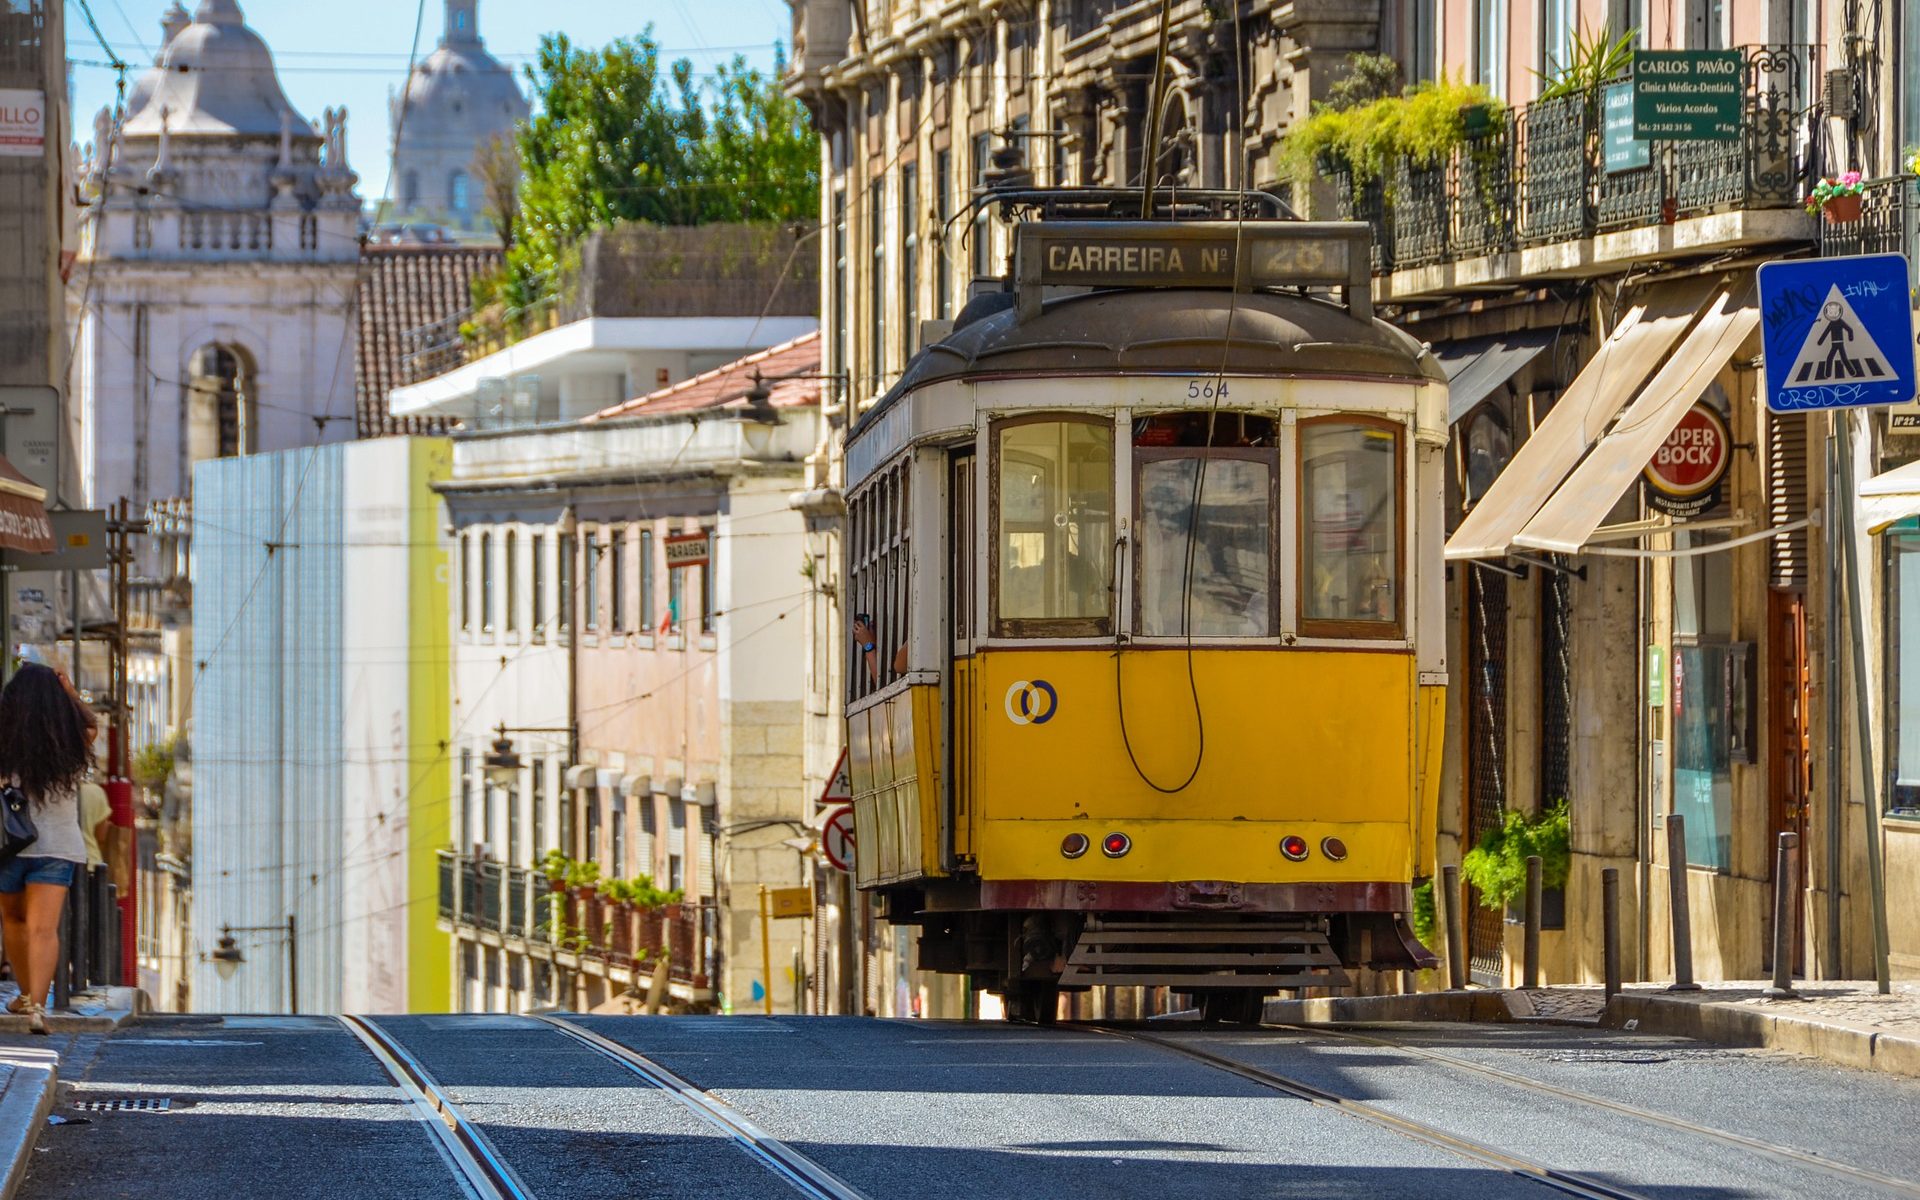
<point>1032,702</point>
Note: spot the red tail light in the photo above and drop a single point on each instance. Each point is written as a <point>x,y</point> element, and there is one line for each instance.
<point>1294,847</point>
<point>1074,845</point>
<point>1115,844</point>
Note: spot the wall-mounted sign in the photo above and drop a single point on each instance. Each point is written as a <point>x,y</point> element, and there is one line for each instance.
<point>1620,150</point>
<point>1683,476</point>
<point>689,549</point>
<point>1688,95</point>
<point>23,123</point>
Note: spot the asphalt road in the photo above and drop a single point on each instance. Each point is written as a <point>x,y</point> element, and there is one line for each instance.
<point>297,1107</point>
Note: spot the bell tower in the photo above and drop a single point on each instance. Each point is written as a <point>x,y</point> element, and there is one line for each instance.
<point>463,23</point>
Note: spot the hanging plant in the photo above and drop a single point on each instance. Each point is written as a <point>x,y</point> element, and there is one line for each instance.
<point>1838,199</point>
<point>1497,866</point>
<point>1424,124</point>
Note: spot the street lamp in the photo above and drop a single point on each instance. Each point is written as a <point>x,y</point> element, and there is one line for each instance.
<point>502,763</point>
<point>758,417</point>
<point>226,955</point>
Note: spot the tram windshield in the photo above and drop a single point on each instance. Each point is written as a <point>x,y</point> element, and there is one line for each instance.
<point>1054,541</point>
<point>1209,569</point>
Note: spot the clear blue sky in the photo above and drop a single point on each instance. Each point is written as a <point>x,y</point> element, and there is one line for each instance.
<point>354,52</point>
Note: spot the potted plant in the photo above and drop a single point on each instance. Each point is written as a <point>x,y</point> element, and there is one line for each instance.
<point>670,903</point>
<point>554,866</point>
<point>1498,865</point>
<point>1837,200</point>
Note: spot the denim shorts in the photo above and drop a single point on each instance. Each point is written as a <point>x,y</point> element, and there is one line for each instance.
<point>18,873</point>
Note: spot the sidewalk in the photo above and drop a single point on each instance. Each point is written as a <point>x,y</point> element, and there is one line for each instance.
<point>1841,1021</point>
<point>29,1068</point>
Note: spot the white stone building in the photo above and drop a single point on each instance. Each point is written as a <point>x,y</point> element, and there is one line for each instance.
<point>218,259</point>
<point>459,98</point>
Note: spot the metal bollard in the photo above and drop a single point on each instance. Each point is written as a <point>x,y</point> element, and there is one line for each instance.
<point>1610,926</point>
<point>1678,903</point>
<point>1456,928</point>
<point>1783,891</point>
<point>1530,957</point>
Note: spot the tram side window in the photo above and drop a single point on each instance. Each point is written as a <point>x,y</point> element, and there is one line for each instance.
<point>878,529</point>
<point>1213,566</point>
<point>1350,528</point>
<point>1053,528</point>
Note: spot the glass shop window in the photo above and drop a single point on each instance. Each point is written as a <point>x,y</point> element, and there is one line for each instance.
<point>1712,704</point>
<point>1349,528</point>
<point>1903,669</point>
<point>1053,541</point>
<point>1204,558</point>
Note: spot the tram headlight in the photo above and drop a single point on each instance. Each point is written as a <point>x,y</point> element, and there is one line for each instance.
<point>1333,848</point>
<point>1294,847</point>
<point>1115,844</point>
<point>1074,845</point>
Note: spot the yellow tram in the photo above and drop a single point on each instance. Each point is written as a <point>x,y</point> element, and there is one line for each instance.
<point>1145,566</point>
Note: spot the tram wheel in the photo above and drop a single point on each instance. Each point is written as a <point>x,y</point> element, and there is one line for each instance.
<point>1242,1006</point>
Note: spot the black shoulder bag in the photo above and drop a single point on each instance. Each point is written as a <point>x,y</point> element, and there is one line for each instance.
<point>17,831</point>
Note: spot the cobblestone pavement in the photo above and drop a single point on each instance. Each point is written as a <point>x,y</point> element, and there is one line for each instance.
<point>1855,1002</point>
<point>1583,1004</point>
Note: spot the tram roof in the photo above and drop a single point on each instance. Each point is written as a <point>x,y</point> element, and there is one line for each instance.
<point>1207,331</point>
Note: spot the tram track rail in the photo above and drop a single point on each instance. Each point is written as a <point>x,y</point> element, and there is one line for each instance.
<point>1788,1154</point>
<point>470,1155</point>
<point>1570,1183</point>
<point>801,1173</point>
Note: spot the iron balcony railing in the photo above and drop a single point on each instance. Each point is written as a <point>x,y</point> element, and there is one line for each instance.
<point>1538,174</point>
<point>1889,221</point>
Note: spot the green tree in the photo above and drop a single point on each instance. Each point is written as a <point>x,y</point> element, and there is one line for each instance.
<point>618,137</point>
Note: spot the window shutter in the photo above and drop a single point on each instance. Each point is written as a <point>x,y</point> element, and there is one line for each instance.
<point>1787,496</point>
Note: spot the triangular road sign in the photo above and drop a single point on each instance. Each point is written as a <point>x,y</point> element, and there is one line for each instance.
<point>1838,349</point>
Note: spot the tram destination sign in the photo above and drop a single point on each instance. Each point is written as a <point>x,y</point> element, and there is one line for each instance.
<point>1203,254</point>
<point>1688,95</point>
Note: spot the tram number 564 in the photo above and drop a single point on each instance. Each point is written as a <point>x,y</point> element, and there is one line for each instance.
<point>1206,389</point>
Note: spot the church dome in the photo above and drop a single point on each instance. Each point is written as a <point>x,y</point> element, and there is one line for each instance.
<point>172,22</point>
<point>217,80</point>
<point>462,91</point>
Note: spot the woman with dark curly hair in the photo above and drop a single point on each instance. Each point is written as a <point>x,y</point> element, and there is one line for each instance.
<point>46,750</point>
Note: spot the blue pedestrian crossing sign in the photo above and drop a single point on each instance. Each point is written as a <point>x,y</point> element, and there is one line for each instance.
<point>1837,332</point>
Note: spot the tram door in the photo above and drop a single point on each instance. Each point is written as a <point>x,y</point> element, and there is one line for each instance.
<point>963,701</point>
<point>1486,760</point>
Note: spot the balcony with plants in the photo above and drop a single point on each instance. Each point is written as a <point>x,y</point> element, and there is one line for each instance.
<point>567,912</point>
<point>1869,216</point>
<point>1465,192</point>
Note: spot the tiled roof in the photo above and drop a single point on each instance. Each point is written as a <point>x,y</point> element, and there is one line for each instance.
<point>730,383</point>
<point>404,287</point>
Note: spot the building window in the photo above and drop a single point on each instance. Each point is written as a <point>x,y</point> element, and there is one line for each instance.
<point>458,189</point>
<point>593,823</point>
<point>590,583</point>
<point>564,599</point>
<point>1704,711</point>
<point>542,795</point>
<point>617,861</point>
<point>1903,669</point>
<point>708,625</point>
<point>515,802</point>
<point>486,581</point>
<point>1490,45</point>
<point>646,581</point>
<point>487,814</point>
<point>943,261</point>
<point>466,581</point>
<point>617,573</point>
<point>537,584</point>
<point>877,284</point>
<point>510,594</point>
<point>1053,528</point>
<point>842,335</point>
<point>567,801</point>
<point>1350,500</point>
<point>466,802</point>
<point>983,220</point>
<point>909,259</point>
<point>676,596</point>
<point>1557,26</point>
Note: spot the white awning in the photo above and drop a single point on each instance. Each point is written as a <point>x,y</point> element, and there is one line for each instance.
<point>1889,497</point>
<point>1611,378</point>
<point>1578,506</point>
<point>1477,366</point>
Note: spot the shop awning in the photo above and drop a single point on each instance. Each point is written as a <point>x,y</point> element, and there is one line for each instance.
<point>23,513</point>
<point>1476,366</point>
<point>1616,372</point>
<point>1578,506</point>
<point>1889,497</point>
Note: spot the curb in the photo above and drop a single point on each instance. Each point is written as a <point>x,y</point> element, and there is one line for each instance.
<point>98,1012</point>
<point>26,1098</point>
<point>1842,1043</point>
<point>1489,1005</point>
